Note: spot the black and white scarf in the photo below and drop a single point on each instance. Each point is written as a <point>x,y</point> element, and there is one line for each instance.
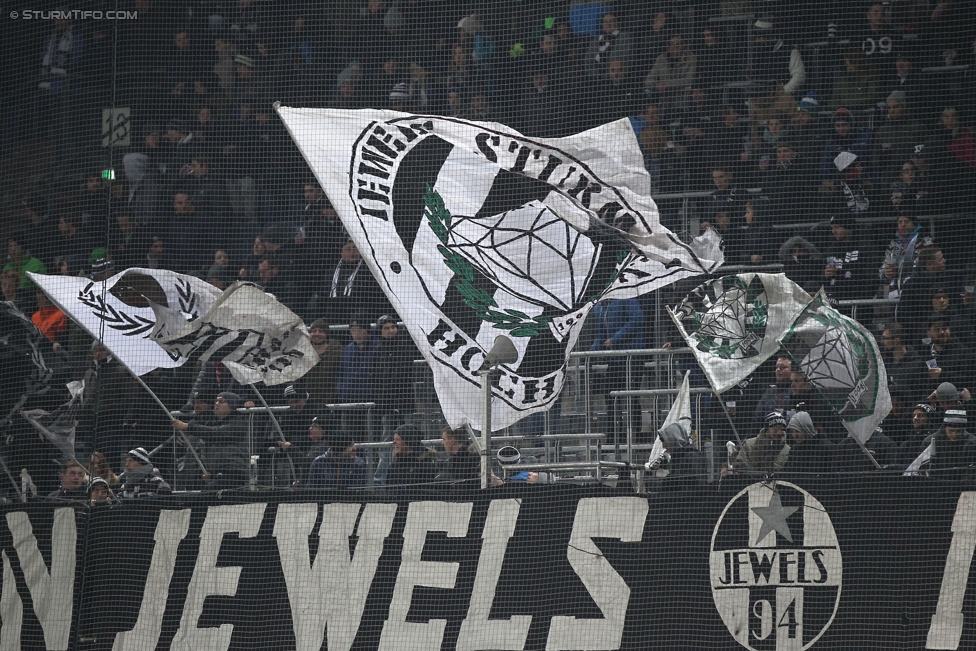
<point>606,43</point>
<point>58,52</point>
<point>347,286</point>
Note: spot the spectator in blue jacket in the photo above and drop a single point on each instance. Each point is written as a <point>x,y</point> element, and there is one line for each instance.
<point>619,326</point>
<point>339,467</point>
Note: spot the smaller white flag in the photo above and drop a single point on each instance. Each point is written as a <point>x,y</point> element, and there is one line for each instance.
<point>915,466</point>
<point>257,338</point>
<point>680,411</point>
<point>117,311</point>
<point>679,417</point>
<point>733,324</point>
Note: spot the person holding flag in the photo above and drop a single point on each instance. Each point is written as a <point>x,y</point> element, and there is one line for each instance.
<point>225,456</point>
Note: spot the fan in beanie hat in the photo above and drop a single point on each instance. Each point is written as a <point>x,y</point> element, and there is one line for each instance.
<point>776,418</point>
<point>955,418</point>
<point>412,437</point>
<point>231,399</point>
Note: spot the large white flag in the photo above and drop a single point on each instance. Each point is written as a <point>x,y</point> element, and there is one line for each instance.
<point>117,311</point>
<point>734,323</point>
<point>841,359</point>
<point>257,338</point>
<point>475,231</point>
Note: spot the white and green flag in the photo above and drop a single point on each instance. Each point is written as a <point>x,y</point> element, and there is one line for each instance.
<point>474,230</point>
<point>733,324</point>
<point>842,360</point>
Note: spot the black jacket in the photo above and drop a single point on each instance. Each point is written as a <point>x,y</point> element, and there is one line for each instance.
<point>464,466</point>
<point>850,458</point>
<point>951,460</point>
<point>225,455</point>
<point>391,372</point>
<point>412,469</point>
<point>811,457</point>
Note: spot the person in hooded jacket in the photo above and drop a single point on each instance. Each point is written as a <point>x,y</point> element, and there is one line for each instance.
<point>809,452</point>
<point>338,467</point>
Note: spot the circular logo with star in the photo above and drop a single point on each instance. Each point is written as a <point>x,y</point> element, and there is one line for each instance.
<point>776,568</point>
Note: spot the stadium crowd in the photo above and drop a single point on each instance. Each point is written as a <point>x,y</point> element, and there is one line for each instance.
<point>809,135</point>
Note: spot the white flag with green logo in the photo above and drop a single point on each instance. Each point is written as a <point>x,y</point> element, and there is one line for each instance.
<point>733,324</point>
<point>842,360</point>
<point>474,230</point>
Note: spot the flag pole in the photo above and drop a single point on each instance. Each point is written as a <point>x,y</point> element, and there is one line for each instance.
<point>3,463</point>
<point>727,415</point>
<point>274,419</point>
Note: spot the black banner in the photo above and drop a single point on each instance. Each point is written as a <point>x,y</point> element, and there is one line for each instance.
<point>866,563</point>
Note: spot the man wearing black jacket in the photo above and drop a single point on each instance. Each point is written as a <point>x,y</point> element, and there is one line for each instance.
<point>412,462</point>
<point>463,463</point>
<point>300,447</point>
<point>226,453</point>
<point>809,453</point>
<point>72,483</point>
<point>906,369</point>
<point>953,448</point>
<point>391,379</point>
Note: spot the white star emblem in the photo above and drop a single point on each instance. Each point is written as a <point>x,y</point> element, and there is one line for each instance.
<point>774,518</point>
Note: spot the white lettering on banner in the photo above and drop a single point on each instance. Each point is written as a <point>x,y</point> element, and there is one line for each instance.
<point>331,591</point>
<point>171,529</point>
<point>477,631</point>
<point>208,579</point>
<point>599,517</point>
<point>945,631</point>
<point>422,517</point>
<point>51,592</point>
<point>11,609</point>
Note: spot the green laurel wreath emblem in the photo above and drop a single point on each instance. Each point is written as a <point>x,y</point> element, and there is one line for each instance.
<point>518,324</point>
<point>754,329</point>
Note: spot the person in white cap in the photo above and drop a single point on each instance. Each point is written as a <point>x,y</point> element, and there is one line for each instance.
<point>856,193</point>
